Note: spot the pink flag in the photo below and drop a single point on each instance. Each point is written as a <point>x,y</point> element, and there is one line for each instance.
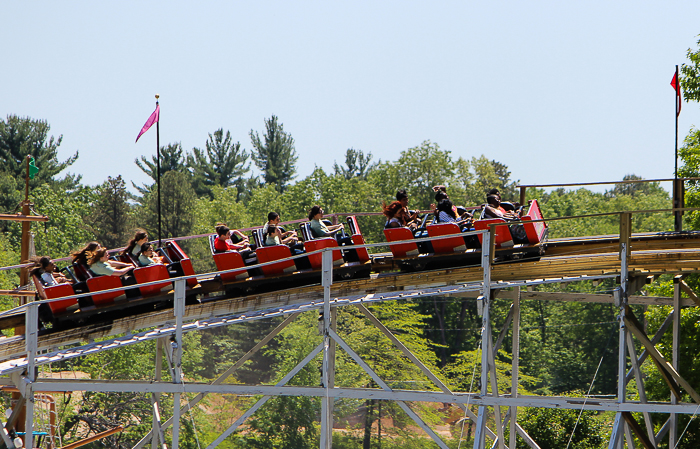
<point>151,120</point>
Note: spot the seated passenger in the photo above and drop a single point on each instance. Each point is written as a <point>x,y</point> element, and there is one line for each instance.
<point>83,256</point>
<point>446,214</point>
<point>493,209</point>
<point>98,264</point>
<point>319,229</point>
<point>133,247</point>
<point>288,238</point>
<point>44,270</point>
<point>228,240</point>
<point>441,194</point>
<point>508,206</point>
<point>148,257</point>
<point>274,237</point>
<point>402,197</point>
<point>396,217</point>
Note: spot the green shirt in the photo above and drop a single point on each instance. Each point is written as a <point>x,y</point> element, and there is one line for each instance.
<point>272,240</point>
<point>318,229</point>
<point>145,261</point>
<point>102,268</point>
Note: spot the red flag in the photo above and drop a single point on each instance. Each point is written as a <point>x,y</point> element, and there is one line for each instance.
<point>677,87</point>
<point>151,120</point>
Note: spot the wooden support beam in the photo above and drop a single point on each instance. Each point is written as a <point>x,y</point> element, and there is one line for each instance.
<point>689,291</point>
<point>625,232</point>
<point>96,437</point>
<point>673,379</point>
<point>416,361</point>
<point>22,217</point>
<point>504,331</point>
<point>657,338</point>
<point>638,431</point>
<point>640,384</point>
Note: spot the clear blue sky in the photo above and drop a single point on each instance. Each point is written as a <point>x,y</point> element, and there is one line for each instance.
<point>558,91</point>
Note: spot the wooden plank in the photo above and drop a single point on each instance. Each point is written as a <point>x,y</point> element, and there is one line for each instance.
<point>638,431</point>
<point>640,383</point>
<point>642,262</point>
<point>688,291</point>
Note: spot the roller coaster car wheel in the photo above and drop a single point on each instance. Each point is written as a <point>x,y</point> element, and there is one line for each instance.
<point>346,275</point>
<point>418,266</point>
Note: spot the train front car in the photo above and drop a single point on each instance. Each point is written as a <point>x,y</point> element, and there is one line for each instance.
<point>448,246</point>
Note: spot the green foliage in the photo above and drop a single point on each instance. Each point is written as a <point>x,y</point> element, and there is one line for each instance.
<point>111,213</point>
<point>464,372</point>
<point>275,154</point>
<point>177,206</point>
<point>561,344</point>
<point>171,159</point>
<point>689,153</point>
<point>97,412</point>
<point>561,203</point>
<point>690,75</point>
<point>552,428</point>
<point>68,214</point>
<point>289,422</point>
<point>357,165</point>
<point>8,279</point>
<point>22,136</point>
<point>689,368</point>
<point>223,164</point>
<point>417,170</point>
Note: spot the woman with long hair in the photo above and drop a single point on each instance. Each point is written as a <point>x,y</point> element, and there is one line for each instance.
<point>397,216</point>
<point>133,247</point>
<point>98,262</point>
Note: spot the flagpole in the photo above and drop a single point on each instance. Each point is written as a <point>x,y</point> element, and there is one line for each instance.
<point>677,187</point>
<point>160,243</point>
<point>677,101</point>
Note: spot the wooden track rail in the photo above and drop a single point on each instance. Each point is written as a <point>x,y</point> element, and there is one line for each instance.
<point>663,258</point>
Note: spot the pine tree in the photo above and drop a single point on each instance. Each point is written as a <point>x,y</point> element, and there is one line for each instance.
<point>358,165</point>
<point>222,163</point>
<point>171,159</point>
<point>111,219</point>
<point>22,136</point>
<point>275,154</point>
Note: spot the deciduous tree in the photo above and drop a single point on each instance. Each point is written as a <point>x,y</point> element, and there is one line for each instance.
<point>690,75</point>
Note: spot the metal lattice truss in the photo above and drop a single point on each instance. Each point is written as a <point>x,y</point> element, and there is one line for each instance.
<point>22,371</point>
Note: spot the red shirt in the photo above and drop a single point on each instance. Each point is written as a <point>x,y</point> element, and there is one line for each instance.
<point>222,245</point>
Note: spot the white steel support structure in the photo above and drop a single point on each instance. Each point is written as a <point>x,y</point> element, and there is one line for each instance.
<point>676,341</point>
<point>328,366</point>
<point>31,335</point>
<point>179,309</point>
<point>24,373</point>
<point>515,369</point>
<point>480,435</point>
<point>619,424</point>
